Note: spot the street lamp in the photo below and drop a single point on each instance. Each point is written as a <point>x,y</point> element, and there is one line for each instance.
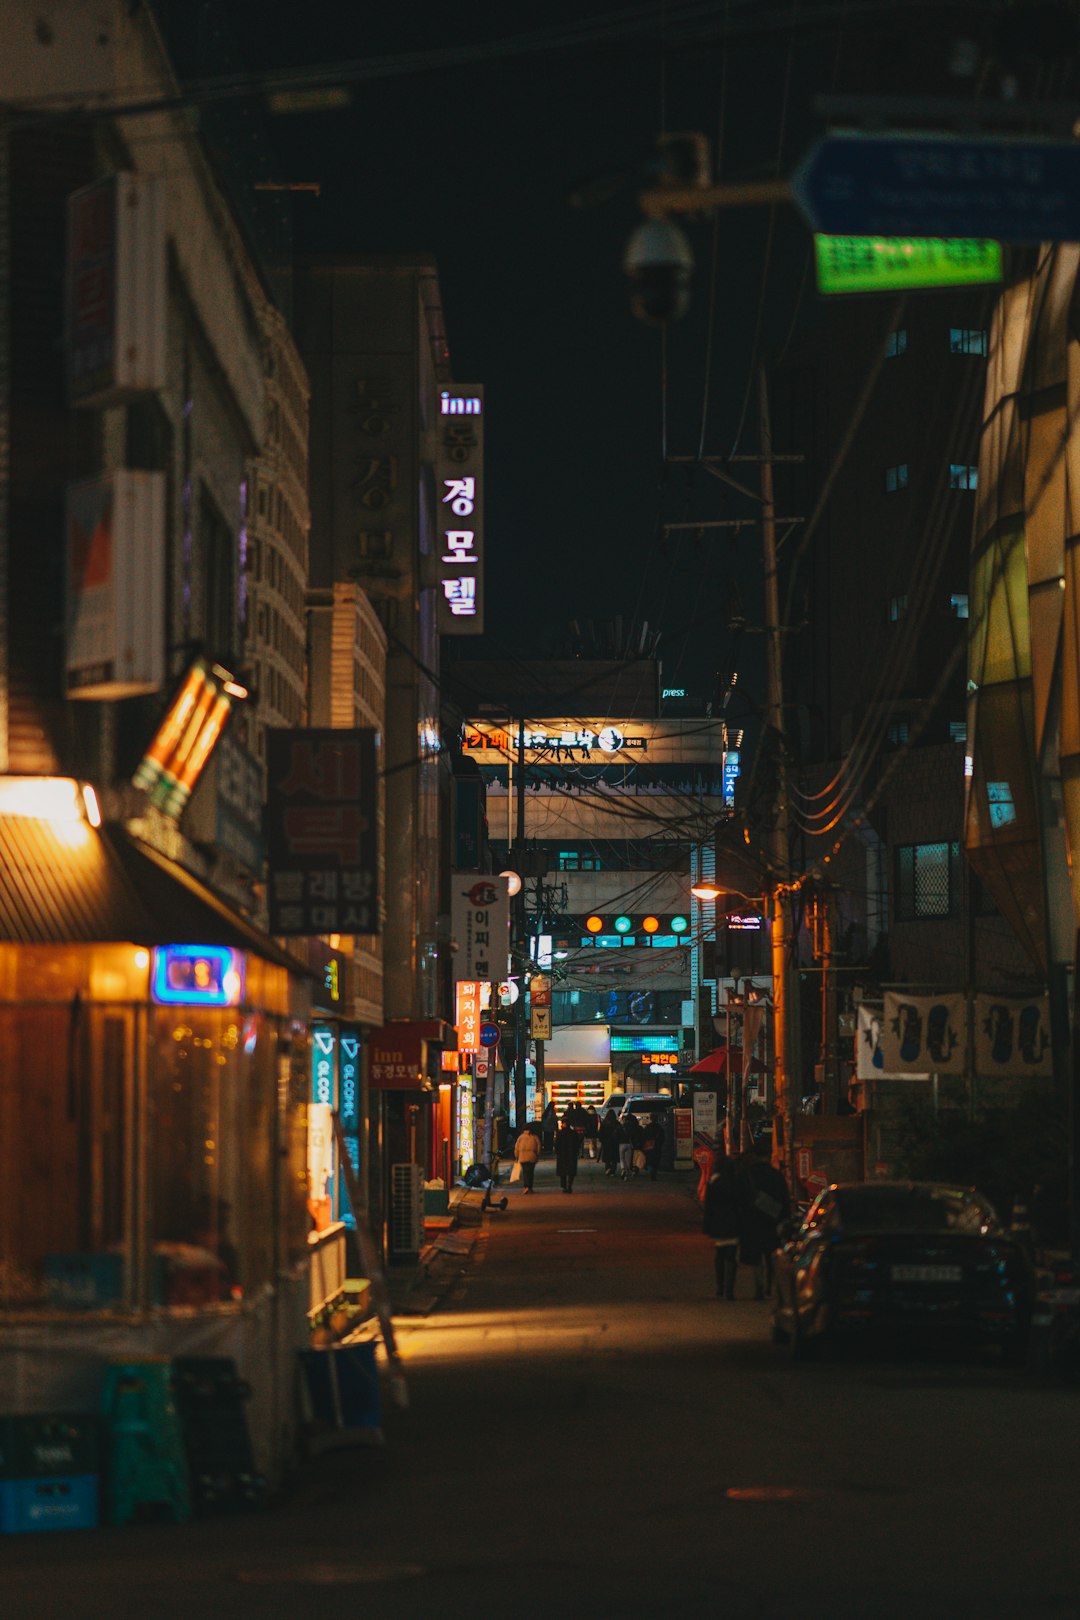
<point>706,890</point>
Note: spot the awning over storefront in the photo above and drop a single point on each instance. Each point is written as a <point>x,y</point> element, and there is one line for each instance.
<point>75,884</point>
<point>398,1053</point>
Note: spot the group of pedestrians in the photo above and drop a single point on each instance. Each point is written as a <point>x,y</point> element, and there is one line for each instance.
<point>745,1201</point>
<point>628,1147</point>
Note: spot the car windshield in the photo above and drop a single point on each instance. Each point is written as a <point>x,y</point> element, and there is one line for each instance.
<point>914,1209</point>
<point>647,1105</point>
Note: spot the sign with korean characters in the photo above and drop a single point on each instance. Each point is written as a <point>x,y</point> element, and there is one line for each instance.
<point>540,1023</point>
<point>480,924</point>
<point>469,997</point>
<point>321,819</point>
<point>460,510</point>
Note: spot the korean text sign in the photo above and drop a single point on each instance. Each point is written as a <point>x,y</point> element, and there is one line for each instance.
<point>322,839</point>
<point>460,510</point>
<point>480,923</point>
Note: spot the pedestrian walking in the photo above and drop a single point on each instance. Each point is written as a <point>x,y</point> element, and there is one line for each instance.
<point>566,1154</point>
<point>527,1151</point>
<point>628,1127</point>
<point>609,1142</point>
<point>592,1131</point>
<point>721,1222</point>
<point>549,1124</point>
<point>763,1202</point>
<point>637,1137</point>
<point>653,1145</point>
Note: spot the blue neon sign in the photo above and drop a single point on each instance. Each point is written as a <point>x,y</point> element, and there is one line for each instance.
<point>197,976</point>
<point>323,1042</point>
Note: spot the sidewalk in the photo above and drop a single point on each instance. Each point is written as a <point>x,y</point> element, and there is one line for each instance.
<point>416,1291</point>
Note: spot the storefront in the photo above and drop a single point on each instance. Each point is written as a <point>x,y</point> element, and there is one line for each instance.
<point>154,1073</point>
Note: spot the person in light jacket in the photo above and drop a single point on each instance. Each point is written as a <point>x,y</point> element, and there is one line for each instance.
<point>567,1147</point>
<point>526,1152</point>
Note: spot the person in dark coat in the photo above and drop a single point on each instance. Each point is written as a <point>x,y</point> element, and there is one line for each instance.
<point>633,1138</point>
<point>549,1124</point>
<point>653,1145</point>
<point>609,1142</point>
<point>721,1222</point>
<point>566,1153</point>
<point>763,1202</point>
<point>592,1131</point>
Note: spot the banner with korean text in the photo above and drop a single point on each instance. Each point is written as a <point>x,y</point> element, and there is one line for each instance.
<point>480,924</point>
<point>322,831</point>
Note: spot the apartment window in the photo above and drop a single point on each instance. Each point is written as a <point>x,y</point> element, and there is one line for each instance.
<point>896,478</point>
<point>573,860</point>
<point>966,340</point>
<point>897,734</point>
<point>927,881</point>
<point>963,477</point>
<point>958,731</point>
<point>897,608</point>
<point>896,343</point>
<point>959,604</point>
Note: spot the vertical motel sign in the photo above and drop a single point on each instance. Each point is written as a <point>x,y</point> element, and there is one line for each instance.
<point>321,814</point>
<point>459,477</point>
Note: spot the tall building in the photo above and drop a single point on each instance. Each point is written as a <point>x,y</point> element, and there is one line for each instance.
<point>371,334</point>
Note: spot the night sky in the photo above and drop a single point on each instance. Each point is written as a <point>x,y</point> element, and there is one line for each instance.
<point>479,164</point>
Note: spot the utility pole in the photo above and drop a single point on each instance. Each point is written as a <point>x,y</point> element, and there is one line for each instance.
<point>781,933</point>
<point>520,955</point>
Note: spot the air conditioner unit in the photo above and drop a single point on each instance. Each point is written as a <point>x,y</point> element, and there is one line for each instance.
<point>406,1211</point>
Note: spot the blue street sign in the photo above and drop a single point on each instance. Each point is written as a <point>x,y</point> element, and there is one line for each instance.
<point>489,1034</point>
<point>1012,190</point>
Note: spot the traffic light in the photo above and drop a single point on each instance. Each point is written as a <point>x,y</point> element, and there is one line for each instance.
<point>618,929</point>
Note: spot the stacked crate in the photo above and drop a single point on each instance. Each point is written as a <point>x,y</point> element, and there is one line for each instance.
<point>49,1472</point>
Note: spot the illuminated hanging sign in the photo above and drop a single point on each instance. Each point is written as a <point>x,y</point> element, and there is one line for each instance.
<point>459,527</point>
<point>323,1047</point>
<point>566,743</point>
<point>470,997</point>
<point>853,264</point>
<point>731,776</point>
<point>187,736</point>
<point>196,976</point>
<point>349,1080</point>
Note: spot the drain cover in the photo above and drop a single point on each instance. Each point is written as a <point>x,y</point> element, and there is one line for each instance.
<point>325,1574</point>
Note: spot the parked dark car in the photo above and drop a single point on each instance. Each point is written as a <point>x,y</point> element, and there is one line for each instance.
<point>902,1258</point>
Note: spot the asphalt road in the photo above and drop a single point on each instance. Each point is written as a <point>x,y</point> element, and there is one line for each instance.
<point>592,1433</point>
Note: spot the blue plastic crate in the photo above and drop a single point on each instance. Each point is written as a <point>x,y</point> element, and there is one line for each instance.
<point>62,1502</point>
<point>343,1385</point>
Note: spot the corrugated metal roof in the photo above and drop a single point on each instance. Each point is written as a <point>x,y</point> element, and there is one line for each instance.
<point>108,887</point>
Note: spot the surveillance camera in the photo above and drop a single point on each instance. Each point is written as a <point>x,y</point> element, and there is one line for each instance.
<point>658,261</point>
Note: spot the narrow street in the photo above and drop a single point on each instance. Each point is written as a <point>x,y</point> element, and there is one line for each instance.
<point>592,1433</point>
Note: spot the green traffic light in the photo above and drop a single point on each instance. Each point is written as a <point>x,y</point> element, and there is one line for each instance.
<point>679,925</point>
<point>623,925</point>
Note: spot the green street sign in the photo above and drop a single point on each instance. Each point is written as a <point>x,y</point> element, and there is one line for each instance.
<point>857,264</point>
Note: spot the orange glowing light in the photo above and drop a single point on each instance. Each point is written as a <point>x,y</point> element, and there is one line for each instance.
<point>650,925</point>
<point>594,925</point>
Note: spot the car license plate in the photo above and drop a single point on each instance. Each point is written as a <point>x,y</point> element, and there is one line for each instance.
<point>942,1274</point>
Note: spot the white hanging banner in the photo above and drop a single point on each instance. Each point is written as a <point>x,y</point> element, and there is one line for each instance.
<point>924,1034</point>
<point>1012,1035</point>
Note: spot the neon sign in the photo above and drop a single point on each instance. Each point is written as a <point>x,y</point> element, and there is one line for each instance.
<point>459,511</point>
<point>460,405</point>
<point>197,976</point>
<point>323,1042</point>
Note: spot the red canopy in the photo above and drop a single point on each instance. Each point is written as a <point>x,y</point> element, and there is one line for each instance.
<point>716,1062</point>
